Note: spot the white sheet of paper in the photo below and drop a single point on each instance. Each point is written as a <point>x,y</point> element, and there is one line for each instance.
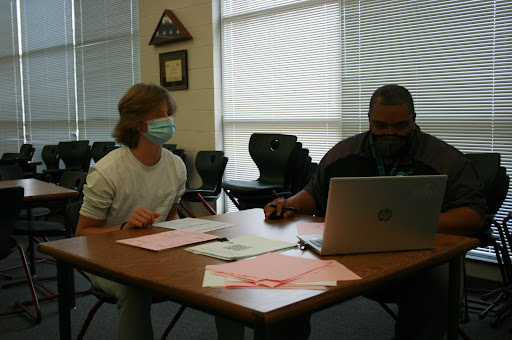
<point>241,247</point>
<point>193,224</point>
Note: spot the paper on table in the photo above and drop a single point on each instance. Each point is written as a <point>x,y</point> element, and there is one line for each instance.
<point>270,266</point>
<point>211,280</point>
<point>193,224</point>
<point>167,239</point>
<point>310,228</point>
<point>277,271</point>
<point>241,247</point>
<point>273,270</point>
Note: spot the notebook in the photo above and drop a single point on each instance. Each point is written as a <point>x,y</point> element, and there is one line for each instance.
<point>377,214</point>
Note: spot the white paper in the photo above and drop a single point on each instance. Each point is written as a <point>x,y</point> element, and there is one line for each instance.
<point>241,247</point>
<point>193,224</point>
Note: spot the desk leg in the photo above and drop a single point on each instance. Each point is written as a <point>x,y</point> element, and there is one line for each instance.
<point>261,333</point>
<point>454,297</point>
<point>65,290</point>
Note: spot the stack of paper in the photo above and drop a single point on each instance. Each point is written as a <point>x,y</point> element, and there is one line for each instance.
<point>167,239</point>
<point>277,271</point>
<point>193,224</point>
<point>241,247</point>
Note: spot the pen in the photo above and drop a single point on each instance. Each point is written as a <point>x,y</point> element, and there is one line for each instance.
<point>285,208</point>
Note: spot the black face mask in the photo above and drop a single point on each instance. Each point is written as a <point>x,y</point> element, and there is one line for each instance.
<point>391,146</point>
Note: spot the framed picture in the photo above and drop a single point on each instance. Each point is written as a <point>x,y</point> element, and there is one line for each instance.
<point>173,70</point>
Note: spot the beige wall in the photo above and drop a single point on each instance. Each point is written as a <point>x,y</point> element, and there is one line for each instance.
<point>198,124</point>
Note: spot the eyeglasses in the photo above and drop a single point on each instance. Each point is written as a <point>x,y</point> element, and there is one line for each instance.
<point>400,126</point>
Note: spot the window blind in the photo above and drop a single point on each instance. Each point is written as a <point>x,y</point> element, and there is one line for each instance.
<point>308,68</point>
<point>65,65</point>
<point>107,53</point>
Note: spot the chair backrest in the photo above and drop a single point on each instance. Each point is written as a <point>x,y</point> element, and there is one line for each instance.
<point>72,215</point>
<point>271,154</point>
<point>75,154</point>
<point>50,156</point>
<point>11,201</point>
<point>493,176</point>
<point>170,147</point>
<point>74,180</point>
<point>11,155</point>
<point>8,172</point>
<point>180,153</point>
<point>27,150</point>
<point>211,165</point>
<point>100,149</point>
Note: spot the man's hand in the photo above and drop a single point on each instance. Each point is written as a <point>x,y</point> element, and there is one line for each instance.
<point>141,218</point>
<point>280,207</point>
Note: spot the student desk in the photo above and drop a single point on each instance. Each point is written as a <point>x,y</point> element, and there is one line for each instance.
<point>178,274</point>
<point>37,192</point>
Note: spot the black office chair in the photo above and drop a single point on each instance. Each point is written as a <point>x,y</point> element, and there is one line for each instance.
<point>11,201</point>
<point>170,147</point>
<point>10,172</point>
<point>76,157</point>
<point>27,151</point>
<point>180,153</point>
<point>51,159</point>
<point>11,155</point>
<point>14,158</point>
<point>210,165</point>
<point>271,153</point>
<point>496,185</point>
<point>43,229</point>
<point>100,149</point>
<point>501,306</point>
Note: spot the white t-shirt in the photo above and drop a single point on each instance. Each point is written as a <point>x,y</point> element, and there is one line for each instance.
<point>119,184</point>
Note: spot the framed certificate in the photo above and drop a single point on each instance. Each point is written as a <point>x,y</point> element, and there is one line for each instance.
<point>173,70</point>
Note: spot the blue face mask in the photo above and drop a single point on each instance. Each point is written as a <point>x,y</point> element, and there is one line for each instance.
<point>160,130</point>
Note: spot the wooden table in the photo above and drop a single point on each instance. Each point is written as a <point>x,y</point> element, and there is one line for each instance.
<point>36,193</point>
<point>178,274</point>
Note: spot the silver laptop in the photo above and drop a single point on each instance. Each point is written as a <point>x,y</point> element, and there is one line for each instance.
<point>376,214</point>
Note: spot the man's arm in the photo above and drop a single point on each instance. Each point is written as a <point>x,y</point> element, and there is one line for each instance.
<point>462,221</point>
<point>302,201</point>
<point>89,226</point>
<point>141,218</point>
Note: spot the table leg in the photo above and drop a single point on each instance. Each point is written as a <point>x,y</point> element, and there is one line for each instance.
<point>454,297</point>
<point>261,333</point>
<point>65,290</point>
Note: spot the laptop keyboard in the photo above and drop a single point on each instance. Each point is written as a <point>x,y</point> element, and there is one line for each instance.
<point>317,243</point>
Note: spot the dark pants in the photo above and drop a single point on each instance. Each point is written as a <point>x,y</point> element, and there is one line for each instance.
<point>422,301</point>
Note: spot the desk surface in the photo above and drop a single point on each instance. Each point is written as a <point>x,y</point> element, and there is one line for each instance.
<point>178,274</point>
<point>36,190</point>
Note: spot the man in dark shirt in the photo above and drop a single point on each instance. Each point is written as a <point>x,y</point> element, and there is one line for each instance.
<point>393,146</point>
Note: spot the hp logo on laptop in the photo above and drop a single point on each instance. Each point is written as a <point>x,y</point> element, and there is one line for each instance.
<point>385,215</point>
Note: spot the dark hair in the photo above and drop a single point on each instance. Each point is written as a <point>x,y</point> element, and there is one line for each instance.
<point>393,95</point>
<point>137,102</point>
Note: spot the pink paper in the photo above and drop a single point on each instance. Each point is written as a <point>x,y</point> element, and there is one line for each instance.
<point>334,272</point>
<point>235,284</point>
<point>274,270</point>
<point>269,266</point>
<point>167,239</point>
<point>310,228</point>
